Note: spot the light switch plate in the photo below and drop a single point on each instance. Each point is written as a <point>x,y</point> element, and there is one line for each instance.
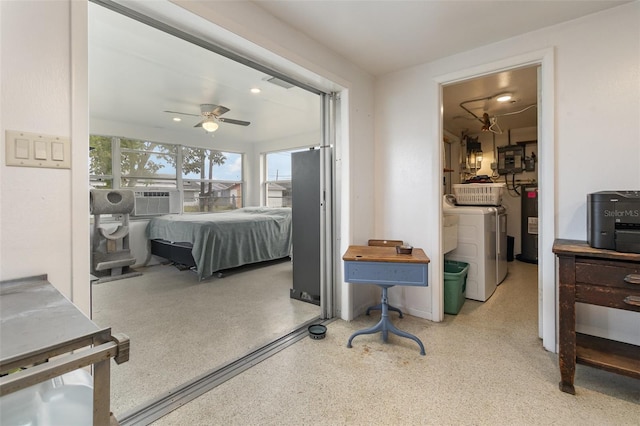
<point>25,149</point>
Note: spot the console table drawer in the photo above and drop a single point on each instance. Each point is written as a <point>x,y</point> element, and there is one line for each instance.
<point>611,297</point>
<point>411,274</point>
<point>610,274</point>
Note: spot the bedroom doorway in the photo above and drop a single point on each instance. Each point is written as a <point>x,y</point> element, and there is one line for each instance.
<point>184,328</point>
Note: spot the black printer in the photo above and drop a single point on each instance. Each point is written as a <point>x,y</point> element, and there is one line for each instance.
<point>613,220</point>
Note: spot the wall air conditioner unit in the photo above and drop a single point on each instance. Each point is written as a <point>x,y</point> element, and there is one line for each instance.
<point>151,203</point>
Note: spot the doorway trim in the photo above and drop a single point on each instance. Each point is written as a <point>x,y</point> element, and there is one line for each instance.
<point>547,288</point>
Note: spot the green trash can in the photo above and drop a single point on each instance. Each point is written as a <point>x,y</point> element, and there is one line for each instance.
<point>455,285</point>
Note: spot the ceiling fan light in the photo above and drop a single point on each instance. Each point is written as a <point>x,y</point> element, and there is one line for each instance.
<point>210,125</point>
<point>504,97</point>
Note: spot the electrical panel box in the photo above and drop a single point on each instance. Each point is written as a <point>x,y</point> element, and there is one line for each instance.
<point>510,159</point>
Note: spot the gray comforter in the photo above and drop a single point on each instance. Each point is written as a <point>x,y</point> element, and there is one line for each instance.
<point>229,239</point>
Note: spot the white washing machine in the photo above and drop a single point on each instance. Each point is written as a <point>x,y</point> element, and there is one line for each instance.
<point>482,243</point>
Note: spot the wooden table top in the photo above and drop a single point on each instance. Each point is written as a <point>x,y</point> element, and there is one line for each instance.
<point>582,248</point>
<point>383,254</point>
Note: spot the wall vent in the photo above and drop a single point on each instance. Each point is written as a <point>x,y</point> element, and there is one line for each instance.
<point>152,203</point>
<point>279,82</point>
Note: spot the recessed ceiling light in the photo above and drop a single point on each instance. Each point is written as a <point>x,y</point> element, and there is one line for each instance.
<point>504,97</point>
<point>177,119</point>
<point>255,90</point>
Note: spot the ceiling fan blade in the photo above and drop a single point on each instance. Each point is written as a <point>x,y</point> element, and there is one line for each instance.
<point>219,110</point>
<point>232,121</point>
<point>199,124</point>
<point>182,113</point>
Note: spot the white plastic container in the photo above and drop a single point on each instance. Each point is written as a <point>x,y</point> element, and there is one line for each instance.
<point>65,400</point>
<point>479,194</point>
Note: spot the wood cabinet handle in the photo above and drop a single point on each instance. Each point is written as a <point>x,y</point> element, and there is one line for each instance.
<point>632,279</point>
<point>632,300</point>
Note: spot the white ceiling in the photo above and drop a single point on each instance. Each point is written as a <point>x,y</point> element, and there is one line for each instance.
<point>137,72</point>
<point>383,36</point>
<point>521,111</point>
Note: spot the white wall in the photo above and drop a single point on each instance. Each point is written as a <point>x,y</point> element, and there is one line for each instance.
<point>44,214</point>
<point>597,110</point>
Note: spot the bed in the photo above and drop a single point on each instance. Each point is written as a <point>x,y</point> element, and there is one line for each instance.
<point>212,242</point>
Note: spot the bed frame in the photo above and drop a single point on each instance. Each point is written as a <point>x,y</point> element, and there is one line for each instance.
<point>178,253</point>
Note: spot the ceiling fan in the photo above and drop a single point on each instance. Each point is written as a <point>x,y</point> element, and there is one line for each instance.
<point>211,114</point>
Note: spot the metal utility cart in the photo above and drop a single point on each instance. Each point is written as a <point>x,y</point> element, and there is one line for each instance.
<point>41,333</point>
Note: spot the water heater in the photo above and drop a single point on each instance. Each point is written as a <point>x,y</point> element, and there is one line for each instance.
<point>529,227</point>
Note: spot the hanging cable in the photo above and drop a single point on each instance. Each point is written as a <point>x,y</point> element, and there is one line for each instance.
<point>513,187</point>
<point>494,127</point>
<point>517,112</point>
<point>490,124</point>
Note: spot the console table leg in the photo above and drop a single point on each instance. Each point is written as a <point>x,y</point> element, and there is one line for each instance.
<point>385,326</point>
<point>370,330</point>
<point>394,330</point>
<point>567,324</point>
<point>378,307</point>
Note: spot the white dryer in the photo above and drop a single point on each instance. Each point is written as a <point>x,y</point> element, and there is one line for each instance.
<point>482,243</point>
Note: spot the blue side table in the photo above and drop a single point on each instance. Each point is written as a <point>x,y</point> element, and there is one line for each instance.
<point>385,268</point>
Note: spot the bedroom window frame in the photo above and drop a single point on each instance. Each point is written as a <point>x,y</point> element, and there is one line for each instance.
<point>171,179</point>
<point>117,178</point>
<point>234,201</point>
<point>286,200</point>
<point>101,180</point>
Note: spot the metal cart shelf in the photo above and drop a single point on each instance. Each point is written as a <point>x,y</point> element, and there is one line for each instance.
<point>41,332</point>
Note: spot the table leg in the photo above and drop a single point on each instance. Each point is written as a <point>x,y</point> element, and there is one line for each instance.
<point>401,333</point>
<point>378,307</point>
<point>370,330</point>
<point>567,324</point>
<point>101,392</point>
<point>385,326</point>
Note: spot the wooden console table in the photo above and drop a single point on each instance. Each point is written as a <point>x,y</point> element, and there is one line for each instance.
<point>596,277</point>
<point>385,268</point>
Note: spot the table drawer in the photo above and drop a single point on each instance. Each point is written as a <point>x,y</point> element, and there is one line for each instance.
<point>611,297</point>
<point>389,273</point>
<point>609,273</point>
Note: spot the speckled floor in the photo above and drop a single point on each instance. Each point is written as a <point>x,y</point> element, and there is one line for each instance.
<point>180,328</point>
<point>484,366</point>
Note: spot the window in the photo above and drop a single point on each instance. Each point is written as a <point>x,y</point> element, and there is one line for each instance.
<point>147,164</point>
<point>100,162</point>
<point>212,180</point>
<point>209,180</point>
<point>278,179</point>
